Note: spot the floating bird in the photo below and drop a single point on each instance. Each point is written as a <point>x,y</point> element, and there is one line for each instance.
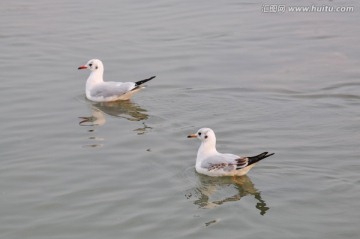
<point>212,163</point>
<point>99,90</point>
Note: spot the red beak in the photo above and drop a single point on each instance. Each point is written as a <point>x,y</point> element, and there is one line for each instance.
<point>82,67</point>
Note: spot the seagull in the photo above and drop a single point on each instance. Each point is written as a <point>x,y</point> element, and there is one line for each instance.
<point>212,163</point>
<point>99,90</point>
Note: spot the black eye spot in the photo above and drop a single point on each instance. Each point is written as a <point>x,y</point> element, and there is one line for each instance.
<point>206,136</point>
<point>199,133</point>
<point>96,67</point>
<point>90,64</point>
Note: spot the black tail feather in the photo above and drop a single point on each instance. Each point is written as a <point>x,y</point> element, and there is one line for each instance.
<point>140,82</point>
<point>257,158</point>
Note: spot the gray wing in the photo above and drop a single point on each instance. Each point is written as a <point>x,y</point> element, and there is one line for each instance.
<point>109,89</point>
<point>227,162</point>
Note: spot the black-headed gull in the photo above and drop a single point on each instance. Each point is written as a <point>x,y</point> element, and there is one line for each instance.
<point>212,163</point>
<point>99,90</point>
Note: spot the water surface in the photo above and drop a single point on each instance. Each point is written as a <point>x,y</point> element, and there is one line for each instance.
<point>281,82</point>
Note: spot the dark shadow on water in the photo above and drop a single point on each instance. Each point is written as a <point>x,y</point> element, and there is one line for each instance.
<point>215,191</point>
<point>119,109</point>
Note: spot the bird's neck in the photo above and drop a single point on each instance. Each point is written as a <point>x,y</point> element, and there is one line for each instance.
<point>206,149</point>
<point>95,77</point>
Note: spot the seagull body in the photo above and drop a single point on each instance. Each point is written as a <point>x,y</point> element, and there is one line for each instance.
<point>212,163</point>
<point>99,90</point>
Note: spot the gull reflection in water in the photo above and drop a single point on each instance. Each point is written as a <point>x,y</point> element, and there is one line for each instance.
<point>215,191</point>
<point>120,109</point>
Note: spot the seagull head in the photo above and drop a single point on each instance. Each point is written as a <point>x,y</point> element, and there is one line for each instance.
<point>93,65</point>
<point>205,135</point>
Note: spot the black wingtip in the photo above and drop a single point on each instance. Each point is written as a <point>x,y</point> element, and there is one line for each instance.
<point>140,82</point>
<point>257,158</point>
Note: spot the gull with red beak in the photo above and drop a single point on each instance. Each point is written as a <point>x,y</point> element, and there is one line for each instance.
<point>212,163</point>
<point>99,90</point>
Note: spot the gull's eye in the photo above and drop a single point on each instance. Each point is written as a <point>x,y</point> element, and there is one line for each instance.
<point>199,133</point>
<point>90,64</point>
<point>206,136</point>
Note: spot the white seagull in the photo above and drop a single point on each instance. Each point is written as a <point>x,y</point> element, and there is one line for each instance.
<point>99,90</point>
<point>212,163</point>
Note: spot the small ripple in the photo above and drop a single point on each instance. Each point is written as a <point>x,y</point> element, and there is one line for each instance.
<point>332,96</point>
<point>328,95</point>
<point>341,85</point>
